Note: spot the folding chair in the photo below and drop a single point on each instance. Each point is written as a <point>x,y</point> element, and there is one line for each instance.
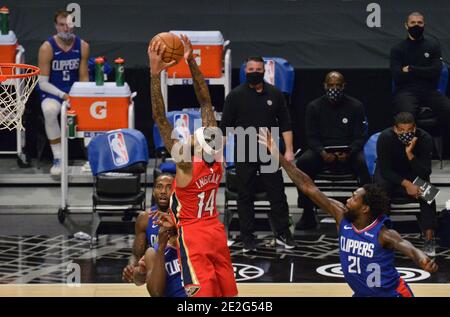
<point>118,161</point>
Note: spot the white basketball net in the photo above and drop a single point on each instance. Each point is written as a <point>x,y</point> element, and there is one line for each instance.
<point>14,93</point>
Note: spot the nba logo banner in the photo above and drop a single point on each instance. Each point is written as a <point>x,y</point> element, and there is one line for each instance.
<point>181,126</point>
<point>118,148</point>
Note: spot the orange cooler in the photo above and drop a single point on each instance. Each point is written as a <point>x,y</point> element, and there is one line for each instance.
<point>8,46</point>
<point>100,108</point>
<point>208,49</point>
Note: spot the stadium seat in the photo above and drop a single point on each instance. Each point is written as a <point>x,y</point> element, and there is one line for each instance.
<point>118,161</point>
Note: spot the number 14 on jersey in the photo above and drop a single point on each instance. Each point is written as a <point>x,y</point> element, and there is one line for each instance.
<point>209,206</point>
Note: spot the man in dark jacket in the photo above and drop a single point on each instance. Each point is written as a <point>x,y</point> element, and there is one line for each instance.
<point>334,119</point>
<point>416,66</point>
<point>404,153</point>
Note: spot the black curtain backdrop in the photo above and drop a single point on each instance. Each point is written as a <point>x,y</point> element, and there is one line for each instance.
<point>371,86</point>
<point>308,33</point>
<point>315,36</point>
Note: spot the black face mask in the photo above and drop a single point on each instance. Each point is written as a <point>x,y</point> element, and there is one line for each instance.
<point>406,137</point>
<point>254,78</point>
<point>416,31</point>
<point>334,94</point>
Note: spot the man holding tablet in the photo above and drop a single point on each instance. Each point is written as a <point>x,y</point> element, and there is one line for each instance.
<point>335,135</point>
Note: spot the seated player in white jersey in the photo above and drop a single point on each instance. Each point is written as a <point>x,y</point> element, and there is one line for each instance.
<point>63,60</point>
<point>146,232</point>
<point>366,243</point>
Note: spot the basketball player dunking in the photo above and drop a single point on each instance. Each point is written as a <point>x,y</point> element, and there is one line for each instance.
<point>203,252</point>
<point>366,243</point>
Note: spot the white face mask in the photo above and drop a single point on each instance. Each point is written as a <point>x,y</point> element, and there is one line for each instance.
<point>66,36</point>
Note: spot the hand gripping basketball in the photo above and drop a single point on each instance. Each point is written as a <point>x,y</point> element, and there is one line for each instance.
<point>155,53</point>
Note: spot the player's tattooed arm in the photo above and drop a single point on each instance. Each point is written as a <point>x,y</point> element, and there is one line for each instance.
<point>303,181</point>
<point>391,239</point>
<point>159,113</point>
<point>157,65</point>
<point>200,86</point>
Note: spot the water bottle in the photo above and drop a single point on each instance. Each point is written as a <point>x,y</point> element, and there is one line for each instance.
<point>99,71</point>
<point>119,68</point>
<point>4,15</point>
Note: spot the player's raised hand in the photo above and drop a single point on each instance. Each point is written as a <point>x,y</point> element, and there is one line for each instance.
<point>429,265</point>
<point>142,268</point>
<point>127,274</point>
<point>155,52</point>
<point>265,138</point>
<point>163,219</point>
<point>163,237</point>
<point>188,52</point>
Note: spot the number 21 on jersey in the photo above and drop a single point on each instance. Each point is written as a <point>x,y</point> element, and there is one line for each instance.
<point>208,206</point>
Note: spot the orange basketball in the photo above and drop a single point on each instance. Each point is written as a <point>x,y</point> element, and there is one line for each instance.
<point>174,46</point>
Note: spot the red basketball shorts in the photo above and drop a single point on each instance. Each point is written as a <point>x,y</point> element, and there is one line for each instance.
<point>205,259</point>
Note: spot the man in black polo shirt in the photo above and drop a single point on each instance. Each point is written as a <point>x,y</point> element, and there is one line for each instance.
<point>404,153</point>
<point>334,119</point>
<point>416,68</point>
<point>253,105</point>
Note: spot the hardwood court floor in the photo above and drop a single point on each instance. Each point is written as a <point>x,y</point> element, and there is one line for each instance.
<point>245,290</point>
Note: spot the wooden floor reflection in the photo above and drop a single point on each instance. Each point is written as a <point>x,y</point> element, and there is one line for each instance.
<point>247,289</point>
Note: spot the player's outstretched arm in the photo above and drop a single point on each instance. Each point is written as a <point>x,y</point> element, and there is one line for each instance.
<point>156,275</point>
<point>200,86</point>
<point>303,181</point>
<point>139,246</point>
<point>391,239</point>
<point>157,65</point>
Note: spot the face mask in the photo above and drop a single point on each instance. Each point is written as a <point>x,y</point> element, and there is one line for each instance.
<point>416,31</point>
<point>406,137</point>
<point>254,78</point>
<point>66,36</point>
<point>335,94</point>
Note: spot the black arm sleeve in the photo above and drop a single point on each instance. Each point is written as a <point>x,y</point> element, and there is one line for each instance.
<point>228,114</point>
<point>429,72</point>
<point>358,130</point>
<point>397,64</point>
<point>284,119</point>
<point>313,129</point>
<point>421,163</point>
<point>384,160</point>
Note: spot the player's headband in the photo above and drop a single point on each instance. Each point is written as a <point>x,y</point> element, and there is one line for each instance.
<point>200,136</point>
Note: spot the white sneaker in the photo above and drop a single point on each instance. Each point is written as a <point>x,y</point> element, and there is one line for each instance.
<point>429,248</point>
<point>55,170</point>
<point>86,167</point>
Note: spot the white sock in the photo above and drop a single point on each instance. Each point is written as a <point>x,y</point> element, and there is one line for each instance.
<point>56,149</point>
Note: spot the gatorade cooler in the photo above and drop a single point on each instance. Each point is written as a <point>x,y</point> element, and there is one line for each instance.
<point>8,46</point>
<point>100,108</point>
<point>208,49</point>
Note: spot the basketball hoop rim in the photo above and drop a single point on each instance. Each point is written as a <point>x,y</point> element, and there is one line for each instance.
<point>35,71</point>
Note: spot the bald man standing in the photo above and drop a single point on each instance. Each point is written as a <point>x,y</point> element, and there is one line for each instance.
<point>335,119</point>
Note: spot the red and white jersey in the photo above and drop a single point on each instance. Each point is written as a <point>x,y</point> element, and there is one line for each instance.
<point>197,200</point>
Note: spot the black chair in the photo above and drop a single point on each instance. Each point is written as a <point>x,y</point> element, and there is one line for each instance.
<point>404,205</point>
<point>427,120</point>
<point>121,187</point>
<point>120,175</point>
<point>231,196</point>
